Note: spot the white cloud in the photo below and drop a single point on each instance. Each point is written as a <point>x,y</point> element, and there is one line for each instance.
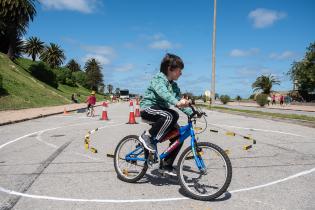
<point>244,53</point>
<point>85,6</point>
<point>161,45</point>
<point>124,68</point>
<point>102,50</point>
<point>100,58</point>
<point>264,17</point>
<point>282,56</point>
<point>103,54</point>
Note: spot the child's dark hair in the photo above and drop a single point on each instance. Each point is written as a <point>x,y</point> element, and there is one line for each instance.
<point>172,61</point>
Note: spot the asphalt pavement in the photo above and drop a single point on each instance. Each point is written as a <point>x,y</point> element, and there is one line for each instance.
<point>44,165</point>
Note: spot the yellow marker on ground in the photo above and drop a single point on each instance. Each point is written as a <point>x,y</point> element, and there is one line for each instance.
<point>110,155</point>
<point>93,150</point>
<point>125,171</point>
<point>227,151</point>
<point>201,153</point>
<point>229,133</point>
<point>247,147</point>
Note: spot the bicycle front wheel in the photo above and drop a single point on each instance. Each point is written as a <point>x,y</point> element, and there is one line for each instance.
<point>212,180</point>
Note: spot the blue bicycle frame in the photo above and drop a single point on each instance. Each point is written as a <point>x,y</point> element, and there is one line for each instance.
<point>184,133</point>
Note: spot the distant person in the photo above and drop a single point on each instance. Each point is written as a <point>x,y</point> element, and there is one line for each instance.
<point>273,99</point>
<point>281,100</point>
<point>74,99</point>
<point>91,100</point>
<point>268,100</point>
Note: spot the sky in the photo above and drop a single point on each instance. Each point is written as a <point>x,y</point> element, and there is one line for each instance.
<point>130,38</point>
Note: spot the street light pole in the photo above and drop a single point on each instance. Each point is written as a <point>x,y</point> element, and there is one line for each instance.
<point>213,52</point>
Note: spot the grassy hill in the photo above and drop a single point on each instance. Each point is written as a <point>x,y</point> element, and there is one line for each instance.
<point>22,90</point>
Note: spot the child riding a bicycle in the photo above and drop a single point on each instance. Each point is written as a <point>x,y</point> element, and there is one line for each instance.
<point>91,100</point>
<point>162,92</point>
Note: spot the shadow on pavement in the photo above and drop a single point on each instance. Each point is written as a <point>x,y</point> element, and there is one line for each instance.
<point>157,179</point>
<point>223,197</point>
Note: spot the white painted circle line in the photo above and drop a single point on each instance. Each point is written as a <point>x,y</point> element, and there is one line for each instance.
<point>275,182</point>
<point>258,129</point>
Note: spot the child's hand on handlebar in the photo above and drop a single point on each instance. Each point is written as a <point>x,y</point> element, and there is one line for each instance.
<point>183,103</point>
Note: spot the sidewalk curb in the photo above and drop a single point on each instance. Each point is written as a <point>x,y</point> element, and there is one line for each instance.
<point>39,116</point>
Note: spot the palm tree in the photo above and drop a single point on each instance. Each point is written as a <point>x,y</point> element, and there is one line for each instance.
<point>94,76</point>
<point>19,48</point>
<point>15,16</point>
<point>265,83</point>
<point>73,66</point>
<point>110,88</point>
<point>53,55</point>
<point>33,47</point>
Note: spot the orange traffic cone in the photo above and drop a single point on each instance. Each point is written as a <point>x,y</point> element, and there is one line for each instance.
<point>65,111</point>
<point>104,112</point>
<point>137,108</point>
<point>132,119</point>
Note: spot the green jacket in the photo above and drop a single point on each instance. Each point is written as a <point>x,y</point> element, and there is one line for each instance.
<point>161,92</point>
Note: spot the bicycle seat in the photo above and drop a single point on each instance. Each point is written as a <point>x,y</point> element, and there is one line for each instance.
<point>147,121</point>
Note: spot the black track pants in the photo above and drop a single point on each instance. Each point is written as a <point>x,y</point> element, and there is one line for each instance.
<point>164,120</point>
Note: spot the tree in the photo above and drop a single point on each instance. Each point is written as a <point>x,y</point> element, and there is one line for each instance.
<point>303,72</point>
<point>53,55</point>
<point>265,83</point>
<point>73,66</point>
<point>225,99</point>
<point>238,98</point>
<point>19,48</point>
<point>117,91</point>
<point>94,76</point>
<point>110,88</point>
<point>33,47</point>
<point>15,16</point>
<point>80,77</point>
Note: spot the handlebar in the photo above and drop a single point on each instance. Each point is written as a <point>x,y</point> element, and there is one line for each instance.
<point>196,113</point>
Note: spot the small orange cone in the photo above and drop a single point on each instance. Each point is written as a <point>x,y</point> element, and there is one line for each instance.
<point>65,111</point>
<point>104,112</point>
<point>137,108</point>
<point>132,119</point>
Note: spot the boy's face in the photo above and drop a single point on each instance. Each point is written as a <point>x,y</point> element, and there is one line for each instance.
<point>174,74</point>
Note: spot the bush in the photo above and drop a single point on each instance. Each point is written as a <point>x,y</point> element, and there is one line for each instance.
<point>225,99</point>
<point>1,83</point>
<point>80,77</point>
<point>252,97</point>
<point>43,73</point>
<point>262,99</point>
<point>64,76</point>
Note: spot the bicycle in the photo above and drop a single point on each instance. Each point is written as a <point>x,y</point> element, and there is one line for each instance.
<point>194,159</point>
<point>90,111</point>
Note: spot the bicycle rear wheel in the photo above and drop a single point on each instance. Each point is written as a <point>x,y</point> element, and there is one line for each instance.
<point>130,170</point>
<point>208,184</point>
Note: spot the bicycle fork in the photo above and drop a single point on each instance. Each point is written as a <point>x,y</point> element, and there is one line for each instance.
<point>197,156</point>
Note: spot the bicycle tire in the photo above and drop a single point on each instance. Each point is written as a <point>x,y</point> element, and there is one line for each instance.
<point>228,172</point>
<point>119,173</point>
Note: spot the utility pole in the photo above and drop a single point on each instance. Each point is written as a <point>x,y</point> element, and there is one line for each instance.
<point>213,52</point>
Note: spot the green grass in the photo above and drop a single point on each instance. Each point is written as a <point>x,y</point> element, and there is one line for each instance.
<point>22,90</point>
<point>261,113</point>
